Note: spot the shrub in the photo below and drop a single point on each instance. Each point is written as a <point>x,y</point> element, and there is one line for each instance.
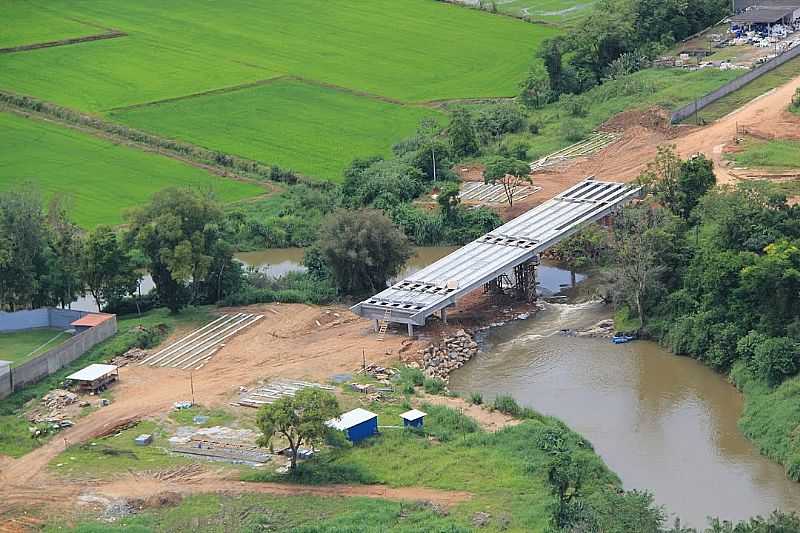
<point>573,130</point>
<point>506,404</point>
<point>408,378</point>
<point>434,386</point>
<point>476,398</point>
<point>533,128</point>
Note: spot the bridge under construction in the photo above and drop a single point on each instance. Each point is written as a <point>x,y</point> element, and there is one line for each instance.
<point>511,250</point>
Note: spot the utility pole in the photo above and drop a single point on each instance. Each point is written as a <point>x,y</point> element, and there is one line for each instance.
<point>191,384</point>
<point>433,155</point>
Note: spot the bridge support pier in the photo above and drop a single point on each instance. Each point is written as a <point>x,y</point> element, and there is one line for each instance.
<point>525,281</point>
<point>444,315</point>
<point>410,330</point>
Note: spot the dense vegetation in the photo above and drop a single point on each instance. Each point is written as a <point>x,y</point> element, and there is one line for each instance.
<point>715,274</point>
<point>616,39</point>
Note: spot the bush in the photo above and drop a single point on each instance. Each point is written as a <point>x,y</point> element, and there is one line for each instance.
<point>533,128</point>
<point>292,287</point>
<point>413,376</point>
<point>434,386</point>
<point>507,405</point>
<point>128,305</point>
<point>497,119</point>
<point>573,130</point>
<point>476,398</point>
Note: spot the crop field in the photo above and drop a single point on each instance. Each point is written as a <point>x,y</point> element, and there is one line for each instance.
<point>99,178</point>
<point>269,122</point>
<point>37,23</point>
<point>368,66</point>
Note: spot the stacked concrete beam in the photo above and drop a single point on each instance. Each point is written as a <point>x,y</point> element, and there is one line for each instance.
<point>195,349</point>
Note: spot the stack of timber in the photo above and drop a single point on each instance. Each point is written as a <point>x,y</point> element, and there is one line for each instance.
<point>593,144</point>
<point>195,349</point>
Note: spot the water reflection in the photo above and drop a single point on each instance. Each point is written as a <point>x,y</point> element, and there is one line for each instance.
<point>663,423</point>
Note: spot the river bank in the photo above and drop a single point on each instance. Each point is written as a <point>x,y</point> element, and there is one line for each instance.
<point>663,423</point>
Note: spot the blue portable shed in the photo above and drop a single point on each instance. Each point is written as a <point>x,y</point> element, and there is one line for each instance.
<point>357,424</point>
<point>413,418</point>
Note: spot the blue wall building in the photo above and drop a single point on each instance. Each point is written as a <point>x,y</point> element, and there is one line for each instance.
<point>357,424</point>
<point>413,418</point>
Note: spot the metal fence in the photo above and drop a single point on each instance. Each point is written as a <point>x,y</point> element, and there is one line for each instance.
<point>733,85</point>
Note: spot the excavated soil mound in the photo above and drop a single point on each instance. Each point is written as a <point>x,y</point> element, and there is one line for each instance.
<point>654,119</point>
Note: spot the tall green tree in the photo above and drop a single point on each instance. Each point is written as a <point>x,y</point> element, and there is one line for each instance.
<point>511,173</point>
<point>643,235</point>
<point>106,267</point>
<point>300,419</point>
<point>24,233</point>
<point>66,244</point>
<point>180,233</point>
<point>363,249</point>
<point>679,185</point>
<point>461,131</point>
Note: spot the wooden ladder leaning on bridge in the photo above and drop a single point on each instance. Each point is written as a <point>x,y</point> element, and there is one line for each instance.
<point>384,324</point>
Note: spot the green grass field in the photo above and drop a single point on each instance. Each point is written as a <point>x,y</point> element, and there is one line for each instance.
<point>737,99</point>
<point>100,178</point>
<point>20,346</point>
<point>302,514</point>
<point>769,154</point>
<point>418,52</point>
<point>271,122</point>
<point>423,50</point>
<point>37,24</point>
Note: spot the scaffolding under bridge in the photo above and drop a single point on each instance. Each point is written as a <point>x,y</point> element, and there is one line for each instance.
<point>487,261</point>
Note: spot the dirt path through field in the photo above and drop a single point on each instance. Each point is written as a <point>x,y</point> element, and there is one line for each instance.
<point>130,488</point>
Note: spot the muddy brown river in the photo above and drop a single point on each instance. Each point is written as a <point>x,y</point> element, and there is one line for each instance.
<point>661,422</point>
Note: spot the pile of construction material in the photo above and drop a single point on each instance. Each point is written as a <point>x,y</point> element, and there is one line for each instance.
<point>438,360</point>
<point>220,443</point>
<point>487,193</point>
<point>134,355</point>
<point>382,374</point>
<point>275,390</point>
<point>56,407</point>
<point>593,144</point>
<point>195,349</point>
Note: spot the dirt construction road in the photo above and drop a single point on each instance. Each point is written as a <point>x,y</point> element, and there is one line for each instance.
<point>764,117</point>
<point>294,341</point>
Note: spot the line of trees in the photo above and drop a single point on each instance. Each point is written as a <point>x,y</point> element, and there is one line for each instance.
<point>713,272</point>
<point>614,39</point>
<point>46,260</point>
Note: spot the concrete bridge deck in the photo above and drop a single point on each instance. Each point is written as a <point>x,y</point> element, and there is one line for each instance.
<point>412,300</point>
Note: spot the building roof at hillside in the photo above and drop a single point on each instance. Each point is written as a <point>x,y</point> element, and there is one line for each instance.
<point>94,319</point>
<point>350,419</point>
<point>762,15</point>
<point>92,372</point>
